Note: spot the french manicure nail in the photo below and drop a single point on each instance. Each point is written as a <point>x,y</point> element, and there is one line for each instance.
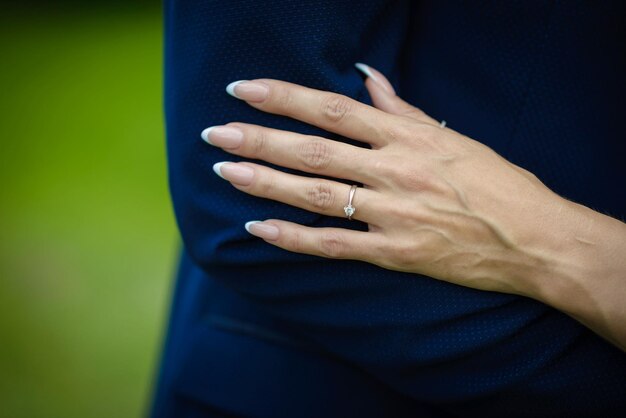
<point>375,75</point>
<point>233,172</point>
<point>223,136</point>
<point>252,91</point>
<point>262,230</point>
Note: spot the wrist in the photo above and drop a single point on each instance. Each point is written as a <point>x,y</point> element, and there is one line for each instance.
<point>581,267</point>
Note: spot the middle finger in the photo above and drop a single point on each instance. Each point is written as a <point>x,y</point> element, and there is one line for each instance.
<point>312,154</point>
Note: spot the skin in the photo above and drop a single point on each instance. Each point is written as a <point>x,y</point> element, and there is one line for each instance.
<point>436,202</point>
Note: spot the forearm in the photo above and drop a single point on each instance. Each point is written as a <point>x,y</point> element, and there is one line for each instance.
<point>585,270</point>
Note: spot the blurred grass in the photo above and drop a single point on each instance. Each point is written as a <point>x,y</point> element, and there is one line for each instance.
<point>88,237</point>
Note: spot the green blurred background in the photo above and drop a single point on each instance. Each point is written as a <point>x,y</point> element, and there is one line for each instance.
<point>88,242</point>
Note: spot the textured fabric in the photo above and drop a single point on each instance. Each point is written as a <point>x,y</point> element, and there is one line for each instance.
<point>542,83</point>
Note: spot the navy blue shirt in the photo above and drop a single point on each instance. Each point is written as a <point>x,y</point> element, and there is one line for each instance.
<point>542,83</point>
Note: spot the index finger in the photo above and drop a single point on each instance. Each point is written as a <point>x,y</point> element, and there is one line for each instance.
<point>333,112</point>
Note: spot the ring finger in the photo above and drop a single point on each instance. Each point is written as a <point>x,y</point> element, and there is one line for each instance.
<point>322,196</point>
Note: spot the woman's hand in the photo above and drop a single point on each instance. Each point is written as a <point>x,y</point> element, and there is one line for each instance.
<point>436,202</point>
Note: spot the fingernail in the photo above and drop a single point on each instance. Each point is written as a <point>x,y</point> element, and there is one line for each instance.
<point>233,172</point>
<point>375,75</point>
<point>262,230</point>
<point>252,91</point>
<point>223,136</point>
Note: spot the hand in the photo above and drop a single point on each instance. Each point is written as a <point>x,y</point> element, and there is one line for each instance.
<point>436,202</point>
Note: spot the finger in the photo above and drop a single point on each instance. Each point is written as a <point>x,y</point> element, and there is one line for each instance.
<point>339,243</point>
<point>376,76</point>
<point>322,196</point>
<point>312,154</point>
<point>330,111</point>
<point>385,98</point>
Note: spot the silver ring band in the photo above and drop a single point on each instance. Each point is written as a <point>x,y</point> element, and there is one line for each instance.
<point>349,210</point>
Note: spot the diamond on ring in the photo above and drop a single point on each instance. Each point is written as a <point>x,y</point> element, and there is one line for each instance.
<point>349,210</point>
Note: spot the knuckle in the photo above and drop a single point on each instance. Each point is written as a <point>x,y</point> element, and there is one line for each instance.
<point>415,179</point>
<point>265,186</point>
<point>396,259</point>
<point>315,154</point>
<point>396,131</point>
<point>403,255</point>
<point>259,142</point>
<point>294,242</point>
<point>413,112</point>
<point>386,168</point>
<point>336,107</point>
<point>428,134</point>
<point>415,176</point>
<point>282,97</point>
<point>320,196</point>
<point>239,125</point>
<point>332,245</point>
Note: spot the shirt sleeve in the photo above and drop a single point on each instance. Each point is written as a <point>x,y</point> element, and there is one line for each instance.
<point>209,44</point>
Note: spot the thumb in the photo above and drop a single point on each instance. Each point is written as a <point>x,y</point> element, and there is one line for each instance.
<point>384,96</point>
